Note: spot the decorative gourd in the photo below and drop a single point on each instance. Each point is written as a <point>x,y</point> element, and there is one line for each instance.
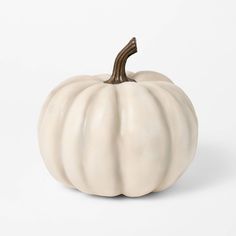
<point>128,134</point>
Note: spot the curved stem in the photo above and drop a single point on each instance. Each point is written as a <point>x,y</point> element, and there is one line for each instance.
<point>119,74</point>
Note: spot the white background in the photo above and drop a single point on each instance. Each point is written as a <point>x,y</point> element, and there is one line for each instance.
<point>44,42</point>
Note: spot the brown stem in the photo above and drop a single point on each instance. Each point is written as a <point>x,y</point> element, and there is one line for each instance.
<point>119,74</point>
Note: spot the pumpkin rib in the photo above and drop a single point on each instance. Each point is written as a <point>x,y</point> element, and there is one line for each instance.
<point>193,136</point>
<point>70,102</point>
<point>90,99</point>
<point>153,77</point>
<point>174,88</point>
<point>100,166</point>
<point>59,168</point>
<point>193,122</point>
<point>177,97</point>
<point>189,129</point>
<point>118,159</point>
<point>179,93</point>
<point>170,138</point>
<point>64,84</point>
<point>173,99</point>
<point>133,101</point>
<point>57,171</point>
<point>79,160</point>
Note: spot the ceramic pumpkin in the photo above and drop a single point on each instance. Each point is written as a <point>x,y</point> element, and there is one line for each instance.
<point>128,133</point>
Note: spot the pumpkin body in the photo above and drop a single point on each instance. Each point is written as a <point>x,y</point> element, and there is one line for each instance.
<point>128,138</point>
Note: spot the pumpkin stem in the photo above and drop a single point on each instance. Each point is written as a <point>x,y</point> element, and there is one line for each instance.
<point>119,74</point>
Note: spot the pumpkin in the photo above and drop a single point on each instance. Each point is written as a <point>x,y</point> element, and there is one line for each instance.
<point>128,133</point>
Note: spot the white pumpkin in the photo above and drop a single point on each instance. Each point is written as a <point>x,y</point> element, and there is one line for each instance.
<point>132,135</point>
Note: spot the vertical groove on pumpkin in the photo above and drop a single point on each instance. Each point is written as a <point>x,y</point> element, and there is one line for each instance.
<point>84,125</point>
<point>191,112</point>
<point>79,159</point>
<point>179,91</point>
<point>65,114</point>
<point>57,144</point>
<point>169,134</point>
<point>118,159</point>
<point>166,182</point>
